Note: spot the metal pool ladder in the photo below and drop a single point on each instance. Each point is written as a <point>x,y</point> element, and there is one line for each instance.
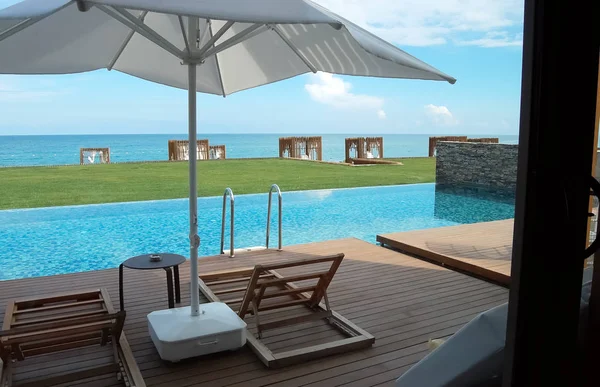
<point>228,192</point>
<point>275,188</point>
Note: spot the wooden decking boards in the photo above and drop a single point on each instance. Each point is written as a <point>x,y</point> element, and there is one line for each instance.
<point>401,300</point>
<point>480,249</point>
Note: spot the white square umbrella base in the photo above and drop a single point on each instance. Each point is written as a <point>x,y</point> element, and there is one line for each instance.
<point>178,335</point>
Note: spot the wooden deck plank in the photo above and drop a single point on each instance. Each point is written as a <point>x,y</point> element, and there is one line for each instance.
<point>401,300</point>
<point>481,249</point>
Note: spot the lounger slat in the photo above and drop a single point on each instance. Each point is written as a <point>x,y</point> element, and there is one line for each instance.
<point>288,292</point>
<point>58,318</point>
<point>294,278</point>
<point>54,341</point>
<point>291,285</point>
<point>41,350</point>
<point>231,281</point>
<point>219,275</point>
<point>59,306</point>
<point>303,262</point>
<point>58,332</point>
<point>28,302</point>
<point>73,323</point>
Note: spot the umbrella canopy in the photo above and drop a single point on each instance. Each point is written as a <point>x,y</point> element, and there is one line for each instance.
<point>240,43</point>
<point>216,47</point>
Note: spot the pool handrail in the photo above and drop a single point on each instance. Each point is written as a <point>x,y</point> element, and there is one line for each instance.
<point>276,188</point>
<point>228,192</point>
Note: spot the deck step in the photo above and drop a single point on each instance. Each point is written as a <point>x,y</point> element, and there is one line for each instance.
<point>247,249</point>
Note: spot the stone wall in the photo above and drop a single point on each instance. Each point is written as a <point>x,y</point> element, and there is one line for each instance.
<point>477,165</point>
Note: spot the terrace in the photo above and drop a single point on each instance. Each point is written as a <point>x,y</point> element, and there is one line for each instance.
<point>403,301</point>
<point>546,284</point>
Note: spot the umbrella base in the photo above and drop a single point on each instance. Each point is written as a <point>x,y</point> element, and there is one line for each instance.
<point>178,335</point>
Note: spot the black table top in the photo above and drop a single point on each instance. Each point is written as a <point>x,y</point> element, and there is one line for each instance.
<point>142,262</point>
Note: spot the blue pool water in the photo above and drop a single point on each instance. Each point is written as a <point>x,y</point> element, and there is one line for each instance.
<point>60,240</point>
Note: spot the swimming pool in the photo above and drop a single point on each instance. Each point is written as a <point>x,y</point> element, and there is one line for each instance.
<point>58,240</point>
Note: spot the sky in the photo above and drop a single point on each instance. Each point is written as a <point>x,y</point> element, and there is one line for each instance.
<point>479,42</point>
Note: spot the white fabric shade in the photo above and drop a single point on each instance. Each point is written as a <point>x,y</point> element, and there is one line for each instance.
<point>67,40</point>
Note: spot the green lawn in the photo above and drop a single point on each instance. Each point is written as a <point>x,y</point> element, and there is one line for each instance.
<point>64,185</point>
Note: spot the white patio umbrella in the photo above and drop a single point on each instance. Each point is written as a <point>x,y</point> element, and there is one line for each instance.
<point>211,46</point>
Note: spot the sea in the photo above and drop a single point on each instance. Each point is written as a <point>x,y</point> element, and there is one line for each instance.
<point>64,149</point>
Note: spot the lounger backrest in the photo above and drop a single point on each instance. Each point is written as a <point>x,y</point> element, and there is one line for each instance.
<point>284,285</point>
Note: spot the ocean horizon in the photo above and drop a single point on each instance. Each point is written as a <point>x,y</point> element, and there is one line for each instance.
<point>39,150</point>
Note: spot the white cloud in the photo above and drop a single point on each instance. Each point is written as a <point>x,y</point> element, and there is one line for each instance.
<point>440,115</point>
<point>495,39</point>
<point>433,22</point>
<point>12,90</point>
<point>332,90</point>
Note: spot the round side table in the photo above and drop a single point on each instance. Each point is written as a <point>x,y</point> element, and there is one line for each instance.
<point>143,262</point>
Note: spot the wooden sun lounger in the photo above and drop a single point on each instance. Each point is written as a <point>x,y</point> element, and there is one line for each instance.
<point>267,289</point>
<point>60,322</point>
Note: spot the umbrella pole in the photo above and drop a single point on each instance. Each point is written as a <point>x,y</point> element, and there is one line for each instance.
<point>194,238</point>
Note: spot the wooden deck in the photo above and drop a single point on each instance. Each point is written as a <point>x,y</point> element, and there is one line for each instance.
<point>401,300</point>
<point>480,249</point>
